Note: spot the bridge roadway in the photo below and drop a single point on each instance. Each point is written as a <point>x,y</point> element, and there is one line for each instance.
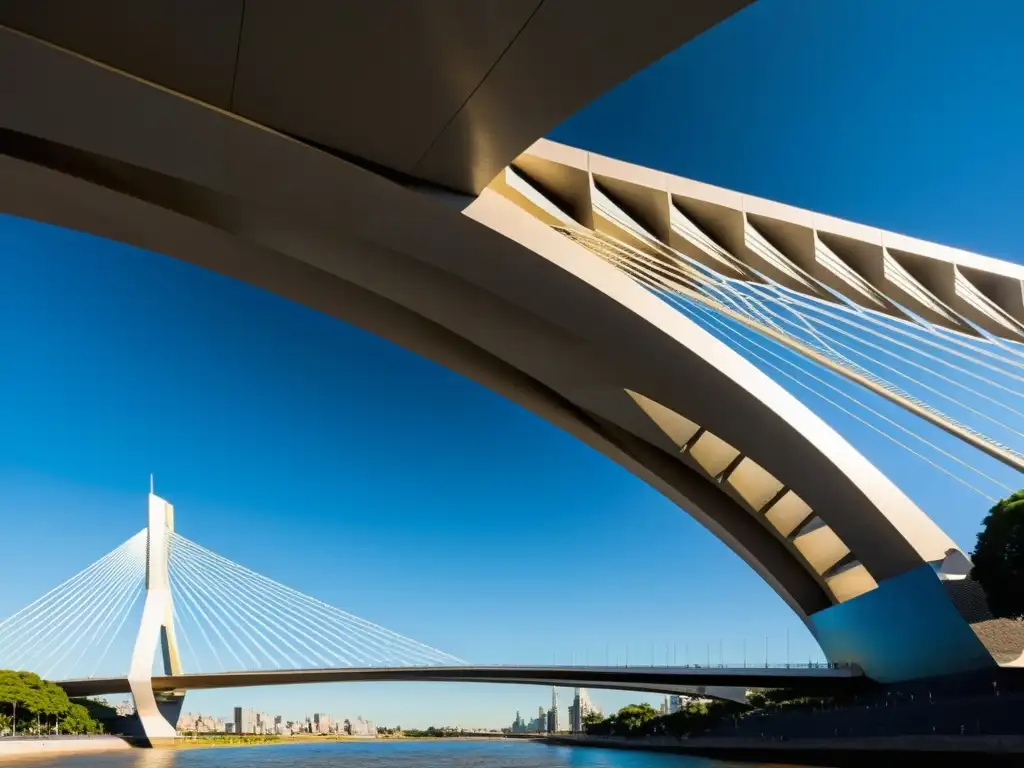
<point>813,680</point>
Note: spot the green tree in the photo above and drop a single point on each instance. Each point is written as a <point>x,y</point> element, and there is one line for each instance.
<point>55,703</point>
<point>34,701</point>
<point>77,720</point>
<point>16,692</point>
<point>999,557</point>
<point>595,725</point>
<point>100,711</point>
<point>43,699</point>
<point>632,718</point>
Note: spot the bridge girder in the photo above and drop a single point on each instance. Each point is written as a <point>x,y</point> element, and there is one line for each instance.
<point>714,683</point>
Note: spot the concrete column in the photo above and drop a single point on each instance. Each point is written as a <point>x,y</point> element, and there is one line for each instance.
<point>157,714</point>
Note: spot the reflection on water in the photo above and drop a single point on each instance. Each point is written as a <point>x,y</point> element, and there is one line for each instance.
<point>381,755</point>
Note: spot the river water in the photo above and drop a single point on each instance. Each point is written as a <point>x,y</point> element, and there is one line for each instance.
<point>411,754</point>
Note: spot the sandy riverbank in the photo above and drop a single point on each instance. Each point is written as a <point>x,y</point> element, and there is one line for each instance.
<point>21,749</point>
<point>11,749</point>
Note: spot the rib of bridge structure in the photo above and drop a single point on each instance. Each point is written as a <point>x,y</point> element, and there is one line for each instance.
<point>486,286</point>
<point>445,92</point>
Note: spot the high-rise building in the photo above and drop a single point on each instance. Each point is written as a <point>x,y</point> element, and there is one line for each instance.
<point>663,709</point>
<point>580,708</point>
<point>264,723</point>
<point>362,728</point>
<point>518,726</point>
<point>245,720</point>
<point>322,723</point>
<point>200,723</point>
<point>676,703</point>
<point>553,712</point>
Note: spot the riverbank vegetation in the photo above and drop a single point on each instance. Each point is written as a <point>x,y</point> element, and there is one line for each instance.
<point>430,733</point>
<point>999,557</point>
<point>227,739</point>
<point>638,720</point>
<point>31,705</point>
<point>696,717</point>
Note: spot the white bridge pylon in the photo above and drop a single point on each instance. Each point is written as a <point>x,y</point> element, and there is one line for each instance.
<point>200,613</point>
<point>158,719</point>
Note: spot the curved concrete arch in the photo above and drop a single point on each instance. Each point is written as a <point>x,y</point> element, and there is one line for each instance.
<point>448,94</point>
<point>482,287</point>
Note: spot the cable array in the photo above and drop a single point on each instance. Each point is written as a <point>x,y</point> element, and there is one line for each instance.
<point>71,630</point>
<point>228,617</point>
<point>970,386</point>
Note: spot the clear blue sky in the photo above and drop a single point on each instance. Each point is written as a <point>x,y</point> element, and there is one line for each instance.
<point>359,473</point>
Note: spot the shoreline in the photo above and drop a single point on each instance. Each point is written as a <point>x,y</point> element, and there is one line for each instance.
<point>34,749</point>
<point>938,751</point>
<point>29,749</point>
<point>188,743</point>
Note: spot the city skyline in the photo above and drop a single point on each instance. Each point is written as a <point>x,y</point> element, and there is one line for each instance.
<point>381,483</point>
<point>192,719</point>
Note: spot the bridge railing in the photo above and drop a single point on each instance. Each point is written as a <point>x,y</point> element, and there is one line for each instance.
<point>720,665</point>
<point>638,667</point>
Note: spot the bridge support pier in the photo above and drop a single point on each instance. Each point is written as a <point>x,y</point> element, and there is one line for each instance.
<point>158,715</point>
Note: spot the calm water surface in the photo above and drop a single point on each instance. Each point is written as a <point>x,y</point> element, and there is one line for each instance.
<point>381,755</point>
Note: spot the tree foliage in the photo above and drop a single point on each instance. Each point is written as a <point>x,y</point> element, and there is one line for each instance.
<point>633,717</point>
<point>35,705</point>
<point>999,557</point>
<point>696,717</point>
<point>77,720</point>
<point>642,720</point>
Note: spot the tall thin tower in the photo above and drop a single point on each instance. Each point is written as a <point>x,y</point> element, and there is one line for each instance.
<point>157,715</point>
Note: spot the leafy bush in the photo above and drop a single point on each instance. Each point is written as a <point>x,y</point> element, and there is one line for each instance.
<point>999,557</point>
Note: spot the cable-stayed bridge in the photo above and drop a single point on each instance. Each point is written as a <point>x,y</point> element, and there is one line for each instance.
<point>224,617</point>
<point>693,312</point>
<point>160,615</point>
<point>682,330</point>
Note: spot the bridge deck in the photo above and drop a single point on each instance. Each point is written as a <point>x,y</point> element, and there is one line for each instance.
<point>648,679</point>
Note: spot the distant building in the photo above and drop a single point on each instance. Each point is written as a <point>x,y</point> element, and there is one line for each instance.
<point>663,709</point>
<point>580,708</point>
<point>362,728</point>
<point>200,723</point>
<point>229,727</point>
<point>518,726</point>
<point>322,723</point>
<point>675,703</point>
<point>245,720</point>
<point>553,712</point>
